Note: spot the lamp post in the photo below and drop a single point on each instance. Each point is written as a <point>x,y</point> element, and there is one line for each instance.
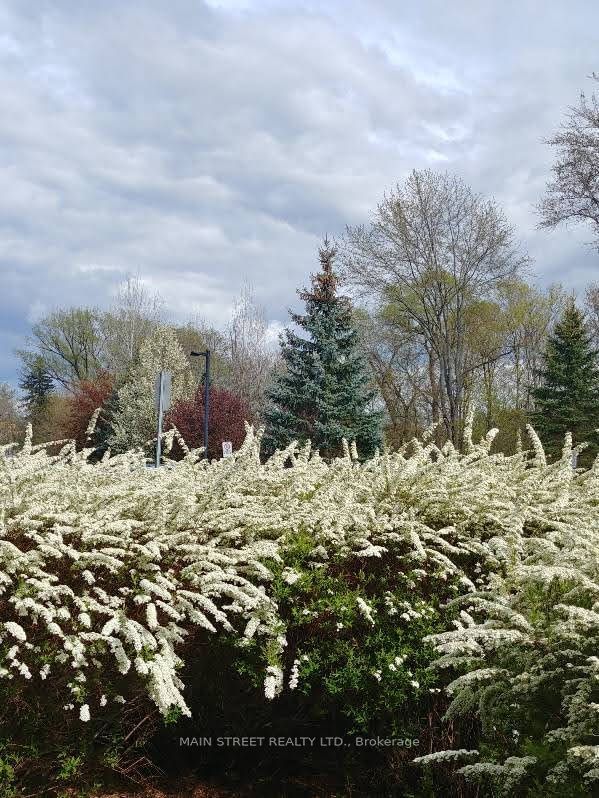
<point>205,355</point>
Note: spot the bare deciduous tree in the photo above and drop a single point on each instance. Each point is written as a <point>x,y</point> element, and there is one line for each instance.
<point>434,247</point>
<point>399,368</point>
<point>591,301</point>
<point>135,315</point>
<point>251,352</point>
<point>573,193</point>
<point>12,422</point>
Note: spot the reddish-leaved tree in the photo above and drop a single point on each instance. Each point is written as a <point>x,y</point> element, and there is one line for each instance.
<point>227,413</point>
<point>87,396</point>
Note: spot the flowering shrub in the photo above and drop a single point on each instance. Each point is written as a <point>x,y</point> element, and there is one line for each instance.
<point>335,580</point>
<point>524,653</point>
<point>105,569</point>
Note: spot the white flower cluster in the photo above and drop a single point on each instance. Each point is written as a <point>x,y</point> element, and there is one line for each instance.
<point>446,756</point>
<point>533,627</point>
<point>366,610</point>
<point>113,566</point>
<point>106,569</point>
<point>273,681</point>
<point>294,677</point>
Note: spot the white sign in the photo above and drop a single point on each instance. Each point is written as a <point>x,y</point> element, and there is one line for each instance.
<point>163,381</point>
<point>227,448</point>
<point>162,401</point>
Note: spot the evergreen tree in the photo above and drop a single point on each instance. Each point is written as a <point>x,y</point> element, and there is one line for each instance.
<point>37,384</point>
<point>568,398</point>
<point>323,393</point>
<point>105,424</point>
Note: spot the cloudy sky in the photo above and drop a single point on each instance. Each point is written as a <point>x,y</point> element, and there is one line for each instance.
<point>201,143</point>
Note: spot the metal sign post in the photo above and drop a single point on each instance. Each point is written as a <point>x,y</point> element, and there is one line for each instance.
<point>206,402</point>
<point>162,402</point>
<point>205,355</point>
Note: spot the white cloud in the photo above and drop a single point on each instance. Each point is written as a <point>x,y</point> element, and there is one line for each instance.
<point>201,144</point>
<point>37,310</point>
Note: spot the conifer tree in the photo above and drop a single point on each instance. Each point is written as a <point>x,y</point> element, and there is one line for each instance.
<point>37,384</point>
<point>103,432</point>
<point>568,397</point>
<point>323,393</point>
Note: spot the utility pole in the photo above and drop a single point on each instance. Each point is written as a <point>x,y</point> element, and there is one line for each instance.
<point>206,356</point>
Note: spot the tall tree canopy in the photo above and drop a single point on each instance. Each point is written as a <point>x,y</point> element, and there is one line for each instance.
<point>70,344</point>
<point>134,316</point>
<point>568,398</point>
<point>323,393</point>
<point>434,247</point>
<point>573,193</point>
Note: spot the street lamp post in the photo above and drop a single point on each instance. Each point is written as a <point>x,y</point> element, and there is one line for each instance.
<point>206,356</point>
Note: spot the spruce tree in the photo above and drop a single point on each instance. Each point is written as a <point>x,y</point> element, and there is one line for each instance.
<point>322,394</point>
<point>568,398</point>
<point>102,434</point>
<point>37,384</point>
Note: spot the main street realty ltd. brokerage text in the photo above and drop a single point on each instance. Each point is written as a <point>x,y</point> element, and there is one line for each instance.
<point>299,742</point>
